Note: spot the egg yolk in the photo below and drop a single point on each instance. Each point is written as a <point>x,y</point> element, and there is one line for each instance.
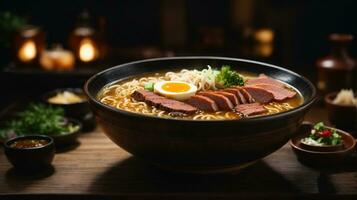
<point>176,87</point>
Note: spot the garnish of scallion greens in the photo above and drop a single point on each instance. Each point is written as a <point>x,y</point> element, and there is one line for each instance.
<point>149,86</point>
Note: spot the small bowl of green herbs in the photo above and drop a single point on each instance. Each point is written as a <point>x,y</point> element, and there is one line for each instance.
<point>41,119</point>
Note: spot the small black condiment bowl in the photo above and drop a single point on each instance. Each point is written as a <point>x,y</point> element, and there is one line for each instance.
<point>342,116</point>
<point>68,139</point>
<point>30,159</point>
<point>80,110</point>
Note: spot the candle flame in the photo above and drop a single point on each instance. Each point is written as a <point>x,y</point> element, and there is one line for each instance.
<point>27,51</point>
<point>87,50</point>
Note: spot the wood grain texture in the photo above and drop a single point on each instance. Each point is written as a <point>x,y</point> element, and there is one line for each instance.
<point>98,167</point>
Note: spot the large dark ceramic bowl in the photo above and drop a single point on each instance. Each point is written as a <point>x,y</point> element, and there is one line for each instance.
<point>198,146</point>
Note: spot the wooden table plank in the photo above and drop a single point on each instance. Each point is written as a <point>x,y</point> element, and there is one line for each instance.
<point>98,167</point>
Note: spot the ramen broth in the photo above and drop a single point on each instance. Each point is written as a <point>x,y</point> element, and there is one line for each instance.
<point>118,95</point>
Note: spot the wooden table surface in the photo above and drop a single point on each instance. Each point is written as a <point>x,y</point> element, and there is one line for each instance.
<point>98,168</point>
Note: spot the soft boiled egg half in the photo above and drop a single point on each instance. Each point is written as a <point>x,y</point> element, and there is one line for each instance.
<point>177,90</point>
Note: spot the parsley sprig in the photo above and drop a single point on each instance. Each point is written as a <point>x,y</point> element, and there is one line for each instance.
<point>227,77</point>
<point>38,119</point>
<point>323,135</point>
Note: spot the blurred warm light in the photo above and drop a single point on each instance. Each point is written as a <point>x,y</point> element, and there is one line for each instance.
<point>327,63</point>
<point>264,35</point>
<point>87,50</point>
<point>28,44</point>
<point>27,51</point>
<point>264,42</point>
<point>264,50</point>
<point>57,59</point>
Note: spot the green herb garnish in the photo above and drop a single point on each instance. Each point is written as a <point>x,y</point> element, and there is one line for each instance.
<point>319,126</point>
<point>9,23</point>
<point>227,77</point>
<point>39,119</point>
<point>149,86</point>
<point>325,136</point>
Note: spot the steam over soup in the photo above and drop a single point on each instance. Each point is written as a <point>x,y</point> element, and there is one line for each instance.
<point>207,94</point>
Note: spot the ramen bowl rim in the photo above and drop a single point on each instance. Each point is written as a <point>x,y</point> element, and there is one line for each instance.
<point>298,109</point>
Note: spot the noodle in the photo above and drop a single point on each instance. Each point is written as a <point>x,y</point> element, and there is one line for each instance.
<point>118,95</point>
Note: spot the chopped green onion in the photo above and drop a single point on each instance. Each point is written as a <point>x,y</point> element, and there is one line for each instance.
<point>325,136</point>
<point>319,126</point>
<point>149,86</point>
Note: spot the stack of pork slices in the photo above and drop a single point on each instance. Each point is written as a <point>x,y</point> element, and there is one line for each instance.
<point>247,100</point>
<point>163,103</point>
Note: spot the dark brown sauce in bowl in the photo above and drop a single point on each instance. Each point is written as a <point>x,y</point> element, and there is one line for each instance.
<point>28,143</point>
<point>32,152</point>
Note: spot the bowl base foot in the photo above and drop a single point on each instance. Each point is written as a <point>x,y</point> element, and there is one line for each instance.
<point>206,170</point>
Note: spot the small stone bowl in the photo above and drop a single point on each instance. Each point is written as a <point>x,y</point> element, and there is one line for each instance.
<point>342,116</point>
<point>29,159</point>
<point>324,155</point>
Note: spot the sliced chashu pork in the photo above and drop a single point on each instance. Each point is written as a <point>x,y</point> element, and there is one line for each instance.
<point>279,93</point>
<point>223,102</point>
<point>242,95</point>
<point>250,109</point>
<point>203,103</point>
<point>277,89</point>
<point>163,103</point>
<point>263,79</point>
<point>232,97</point>
<point>259,94</point>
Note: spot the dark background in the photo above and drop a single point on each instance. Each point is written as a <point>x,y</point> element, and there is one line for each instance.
<point>301,28</point>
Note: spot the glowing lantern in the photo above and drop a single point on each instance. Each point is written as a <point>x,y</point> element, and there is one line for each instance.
<point>87,50</point>
<point>27,51</point>
<point>28,44</point>
<point>84,40</point>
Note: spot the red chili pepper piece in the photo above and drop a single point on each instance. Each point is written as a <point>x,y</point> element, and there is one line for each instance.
<point>325,133</point>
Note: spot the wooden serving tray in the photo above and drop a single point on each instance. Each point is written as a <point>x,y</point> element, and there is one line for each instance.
<point>98,169</point>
